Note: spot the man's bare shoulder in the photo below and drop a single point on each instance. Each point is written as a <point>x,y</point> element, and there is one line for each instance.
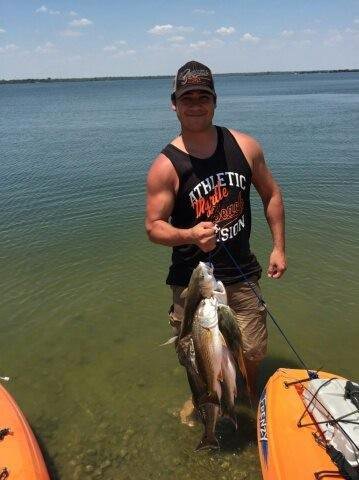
<point>249,146</point>
<point>177,142</point>
<point>162,172</point>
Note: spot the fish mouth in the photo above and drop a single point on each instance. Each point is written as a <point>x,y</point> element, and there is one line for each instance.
<point>207,267</point>
<point>208,282</point>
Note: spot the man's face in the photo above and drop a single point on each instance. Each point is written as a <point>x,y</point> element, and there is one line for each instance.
<point>195,110</point>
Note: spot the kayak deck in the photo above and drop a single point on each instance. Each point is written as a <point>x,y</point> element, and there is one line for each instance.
<point>20,455</point>
<point>286,450</point>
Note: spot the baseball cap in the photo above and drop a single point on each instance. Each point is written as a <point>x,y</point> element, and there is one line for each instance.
<point>192,75</point>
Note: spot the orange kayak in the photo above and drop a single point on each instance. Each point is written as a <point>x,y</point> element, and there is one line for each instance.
<point>20,455</point>
<point>288,451</point>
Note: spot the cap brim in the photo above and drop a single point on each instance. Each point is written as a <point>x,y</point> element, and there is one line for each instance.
<point>190,88</point>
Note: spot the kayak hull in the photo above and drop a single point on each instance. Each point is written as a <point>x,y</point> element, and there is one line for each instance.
<point>287,451</point>
<point>20,454</point>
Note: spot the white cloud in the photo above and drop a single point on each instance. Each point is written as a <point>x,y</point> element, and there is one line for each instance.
<point>202,11</point>
<point>334,39</point>
<point>205,44</point>
<point>70,33</point>
<point>156,48</point>
<point>356,21</point>
<point>309,31</point>
<point>182,29</point>
<point>225,30</point>
<point>41,9</point>
<point>2,30</point>
<point>124,53</point>
<point>44,9</point>
<point>249,38</point>
<point>72,13</point>
<point>115,47</point>
<point>161,29</point>
<point>11,47</point>
<point>352,31</point>
<point>110,48</point>
<point>168,28</point>
<point>302,43</point>
<point>176,39</point>
<point>82,22</point>
<point>44,49</point>
<point>287,33</point>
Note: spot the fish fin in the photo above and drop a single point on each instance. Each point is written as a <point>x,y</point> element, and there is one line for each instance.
<point>184,293</point>
<point>228,326</point>
<point>209,397</point>
<point>208,442</point>
<point>220,293</point>
<point>242,368</point>
<point>171,340</point>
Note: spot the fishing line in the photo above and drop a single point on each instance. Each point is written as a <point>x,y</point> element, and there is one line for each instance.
<point>262,301</point>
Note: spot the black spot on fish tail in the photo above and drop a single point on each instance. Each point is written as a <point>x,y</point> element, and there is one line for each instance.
<point>209,397</point>
<point>208,442</point>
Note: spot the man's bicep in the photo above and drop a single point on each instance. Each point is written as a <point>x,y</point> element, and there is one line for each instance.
<point>263,179</point>
<point>160,192</point>
<point>159,205</point>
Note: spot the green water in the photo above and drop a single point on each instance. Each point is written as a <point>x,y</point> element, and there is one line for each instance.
<point>84,303</point>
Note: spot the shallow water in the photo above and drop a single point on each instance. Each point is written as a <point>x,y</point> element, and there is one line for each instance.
<point>83,297</point>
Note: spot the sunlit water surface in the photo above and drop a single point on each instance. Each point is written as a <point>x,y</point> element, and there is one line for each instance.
<point>84,305</point>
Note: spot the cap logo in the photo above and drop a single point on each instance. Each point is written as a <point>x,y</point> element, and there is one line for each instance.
<point>194,77</point>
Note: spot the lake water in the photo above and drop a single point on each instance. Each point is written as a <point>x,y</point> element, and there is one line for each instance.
<point>84,304</point>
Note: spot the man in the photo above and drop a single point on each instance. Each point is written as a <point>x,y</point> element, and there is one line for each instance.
<point>198,203</point>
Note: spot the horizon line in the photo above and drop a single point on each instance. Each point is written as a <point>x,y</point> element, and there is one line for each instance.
<point>132,77</point>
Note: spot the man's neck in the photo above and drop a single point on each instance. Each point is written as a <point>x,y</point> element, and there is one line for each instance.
<point>200,144</point>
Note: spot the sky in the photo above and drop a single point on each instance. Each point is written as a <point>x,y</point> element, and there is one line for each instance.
<point>86,38</point>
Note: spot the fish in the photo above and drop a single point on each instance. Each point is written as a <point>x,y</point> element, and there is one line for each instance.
<point>232,335</point>
<point>229,385</point>
<point>201,285</point>
<point>207,343</point>
<point>208,412</point>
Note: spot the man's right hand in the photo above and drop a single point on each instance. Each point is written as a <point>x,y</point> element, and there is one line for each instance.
<point>204,236</point>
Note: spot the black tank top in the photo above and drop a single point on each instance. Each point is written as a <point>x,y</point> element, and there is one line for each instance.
<point>214,189</point>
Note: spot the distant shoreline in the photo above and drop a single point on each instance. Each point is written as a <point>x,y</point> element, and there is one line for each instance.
<point>149,77</point>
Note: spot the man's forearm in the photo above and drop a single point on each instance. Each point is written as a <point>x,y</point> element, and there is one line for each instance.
<point>164,233</point>
<point>274,213</point>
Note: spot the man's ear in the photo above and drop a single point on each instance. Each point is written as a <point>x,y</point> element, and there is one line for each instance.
<point>173,100</point>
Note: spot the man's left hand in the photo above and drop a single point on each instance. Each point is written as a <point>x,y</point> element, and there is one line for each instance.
<point>277,264</point>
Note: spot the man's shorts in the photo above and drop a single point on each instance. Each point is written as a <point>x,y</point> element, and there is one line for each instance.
<point>250,314</point>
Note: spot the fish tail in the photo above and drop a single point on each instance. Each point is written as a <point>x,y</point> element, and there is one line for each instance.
<point>171,340</point>
<point>208,442</point>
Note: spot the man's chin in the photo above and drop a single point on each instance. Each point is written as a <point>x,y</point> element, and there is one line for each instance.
<point>195,127</point>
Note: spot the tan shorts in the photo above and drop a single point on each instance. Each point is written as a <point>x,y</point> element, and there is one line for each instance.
<point>251,316</point>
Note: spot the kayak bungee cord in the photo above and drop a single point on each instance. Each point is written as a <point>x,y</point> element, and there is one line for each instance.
<point>4,473</point>
<point>333,421</point>
<point>311,374</point>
